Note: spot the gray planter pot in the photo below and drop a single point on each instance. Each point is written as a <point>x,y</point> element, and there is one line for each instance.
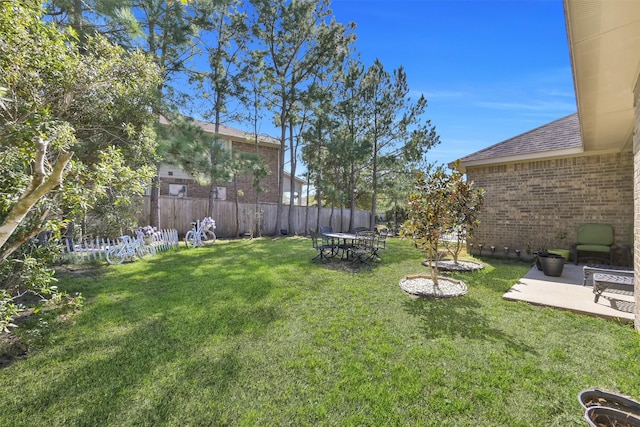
<point>601,416</point>
<point>552,264</point>
<point>595,397</point>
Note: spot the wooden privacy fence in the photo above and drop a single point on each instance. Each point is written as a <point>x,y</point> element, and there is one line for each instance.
<point>179,212</point>
<point>94,249</point>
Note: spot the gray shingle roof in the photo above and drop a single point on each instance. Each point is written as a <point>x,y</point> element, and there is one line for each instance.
<point>229,131</point>
<point>560,134</point>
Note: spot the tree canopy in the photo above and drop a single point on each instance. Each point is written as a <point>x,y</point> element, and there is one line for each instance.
<point>76,131</point>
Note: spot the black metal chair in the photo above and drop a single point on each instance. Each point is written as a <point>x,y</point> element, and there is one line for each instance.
<point>362,249</point>
<point>325,250</point>
<point>380,242</point>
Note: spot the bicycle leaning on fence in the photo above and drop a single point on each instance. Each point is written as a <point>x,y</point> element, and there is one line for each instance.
<point>129,248</point>
<point>201,231</point>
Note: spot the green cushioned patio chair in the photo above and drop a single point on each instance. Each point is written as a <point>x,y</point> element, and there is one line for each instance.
<point>594,242</point>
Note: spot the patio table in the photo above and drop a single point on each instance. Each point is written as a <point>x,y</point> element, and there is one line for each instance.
<point>347,239</point>
<point>605,281</point>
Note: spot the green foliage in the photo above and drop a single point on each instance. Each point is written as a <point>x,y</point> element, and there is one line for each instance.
<point>61,102</point>
<point>465,203</point>
<point>440,203</point>
<point>396,216</point>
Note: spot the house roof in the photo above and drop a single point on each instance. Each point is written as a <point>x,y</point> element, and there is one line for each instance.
<point>230,132</point>
<point>558,138</point>
<point>300,181</point>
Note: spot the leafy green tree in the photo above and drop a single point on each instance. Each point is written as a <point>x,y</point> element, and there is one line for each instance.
<point>111,18</point>
<point>427,214</point>
<point>398,133</point>
<point>73,123</point>
<point>223,82</point>
<point>297,41</point>
<point>171,36</point>
<point>316,151</point>
<point>168,30</point>
<point>464,203</point>
<point>440,203</point>
<point>350,145</point>
<point>396,216</point>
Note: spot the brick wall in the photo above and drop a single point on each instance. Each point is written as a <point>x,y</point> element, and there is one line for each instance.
<point>269,183</point>
<point>533,202</point>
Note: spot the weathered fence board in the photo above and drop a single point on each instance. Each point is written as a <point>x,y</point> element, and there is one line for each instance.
<point>178,213</point>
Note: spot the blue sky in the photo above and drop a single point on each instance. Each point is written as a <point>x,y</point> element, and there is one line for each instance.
<point>489,69</point>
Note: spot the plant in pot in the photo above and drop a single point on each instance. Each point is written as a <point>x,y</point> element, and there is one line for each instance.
<point>550,261</point>
<point>551,264</point>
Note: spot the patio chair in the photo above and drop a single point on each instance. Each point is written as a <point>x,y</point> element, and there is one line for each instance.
<point>325,250</point>
<point>362,249</point>
<point>594,242</point>
<point>380,242</point>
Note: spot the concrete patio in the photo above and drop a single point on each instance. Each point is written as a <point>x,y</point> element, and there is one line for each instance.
<point>567,293</point>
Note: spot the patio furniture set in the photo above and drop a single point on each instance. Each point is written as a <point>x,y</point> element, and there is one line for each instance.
<point>360,247</point>
<point>596,242</point>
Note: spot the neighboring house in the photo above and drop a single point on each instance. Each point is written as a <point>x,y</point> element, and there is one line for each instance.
<point>536,197</point>
<point>174,182</point>
<point>298,197</point>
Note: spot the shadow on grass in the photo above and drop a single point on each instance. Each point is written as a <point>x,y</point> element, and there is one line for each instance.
<point>148,353</point>
<point>458,317</point>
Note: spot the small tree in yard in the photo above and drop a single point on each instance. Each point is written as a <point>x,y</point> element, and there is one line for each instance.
<point>427,214</point>
<point>464,209</point>
<point>440,203</point>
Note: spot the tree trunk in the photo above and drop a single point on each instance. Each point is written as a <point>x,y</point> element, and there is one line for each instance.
<point>318,206</point>
<point>283,136</point>
<point>237,204</point>
<point>352,198</point>
<point>374,187</point>
<point>306,212</point>
<point>292,181</point>
<point>154,200</point>
<point>39,186</point>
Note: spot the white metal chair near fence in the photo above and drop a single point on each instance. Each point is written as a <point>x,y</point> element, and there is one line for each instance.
<point>89,250</point>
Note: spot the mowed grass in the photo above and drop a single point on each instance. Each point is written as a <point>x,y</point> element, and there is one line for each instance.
<point>248,333</point>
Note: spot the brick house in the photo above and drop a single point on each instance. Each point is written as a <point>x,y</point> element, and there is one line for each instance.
<point>174,182</point>
<point>604,42</point>
<point>602,182</point>
<point>541,184</point>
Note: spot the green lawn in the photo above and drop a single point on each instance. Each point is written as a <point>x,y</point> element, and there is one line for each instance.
<point>248,333</point>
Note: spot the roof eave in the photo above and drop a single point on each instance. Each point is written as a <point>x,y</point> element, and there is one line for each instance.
<point>519,158</point>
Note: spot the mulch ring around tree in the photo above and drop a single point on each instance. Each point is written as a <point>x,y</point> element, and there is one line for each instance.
<point>447,265</point>
<point>421,285</point>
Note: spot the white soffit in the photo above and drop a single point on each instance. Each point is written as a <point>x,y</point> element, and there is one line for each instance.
<point>604,40</point>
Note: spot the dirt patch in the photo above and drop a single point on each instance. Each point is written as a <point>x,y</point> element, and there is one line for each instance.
<point>11,348</point>
<point>80,270</point>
